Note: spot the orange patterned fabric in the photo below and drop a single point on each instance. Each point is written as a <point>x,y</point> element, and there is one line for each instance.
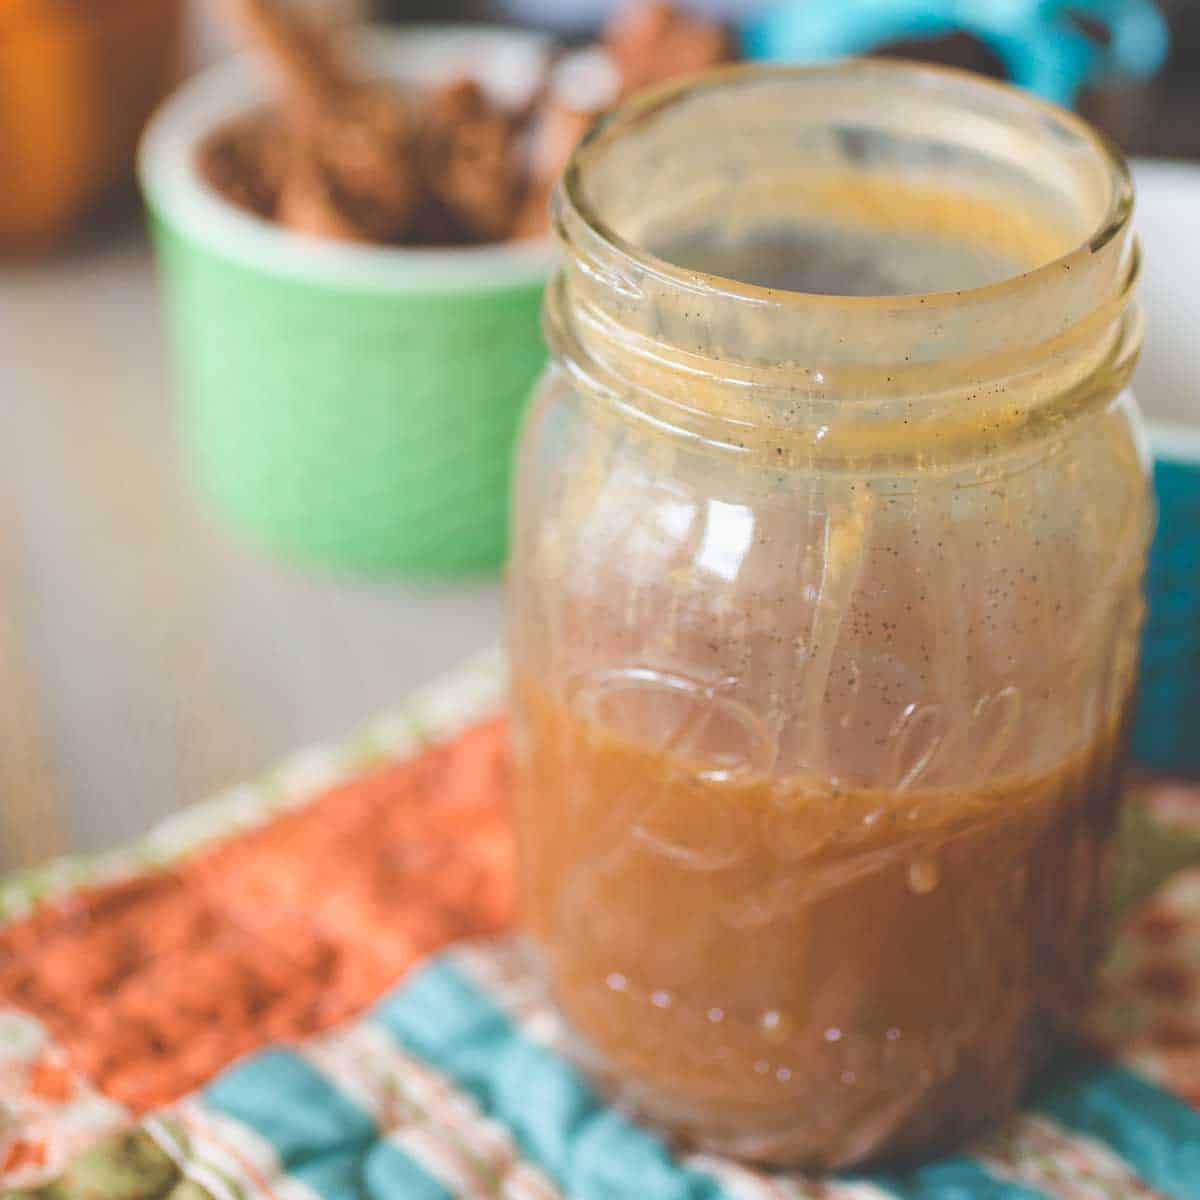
<point>154,984</point>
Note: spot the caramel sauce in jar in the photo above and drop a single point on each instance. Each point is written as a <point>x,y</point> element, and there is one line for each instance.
<point>801,971</point>
<point>830,525</point>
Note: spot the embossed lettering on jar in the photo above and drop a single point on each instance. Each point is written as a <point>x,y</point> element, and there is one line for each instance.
<point>830,528</point>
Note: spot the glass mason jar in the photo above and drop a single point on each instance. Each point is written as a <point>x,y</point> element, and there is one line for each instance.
<point>830,528</point>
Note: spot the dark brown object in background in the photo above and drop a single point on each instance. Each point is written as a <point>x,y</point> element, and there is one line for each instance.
<point>1158,117</point>
<point>952,50</point>
<point>246,162</point>
<point>365,161</point>
<point>361,155</point>
<point>444,177</point>
<point>469,162</point>
<point>350,172</point>
<point>1120,109</point>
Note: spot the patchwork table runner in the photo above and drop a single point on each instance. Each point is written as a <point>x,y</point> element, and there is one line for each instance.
<point>309,989</point>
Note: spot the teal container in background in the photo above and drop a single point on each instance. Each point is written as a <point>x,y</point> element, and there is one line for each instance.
<point>348,406</point>
<point>1166,731</point>
<point>1166,735</point>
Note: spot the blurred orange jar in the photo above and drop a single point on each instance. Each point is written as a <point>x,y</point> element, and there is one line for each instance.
<point>830,529</point>
<point>78,79</point>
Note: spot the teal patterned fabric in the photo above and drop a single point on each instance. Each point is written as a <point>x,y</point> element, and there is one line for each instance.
<point>454,1085</point>
<point>1167,732</point>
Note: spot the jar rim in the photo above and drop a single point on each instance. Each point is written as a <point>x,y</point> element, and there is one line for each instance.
<point>656,101</point>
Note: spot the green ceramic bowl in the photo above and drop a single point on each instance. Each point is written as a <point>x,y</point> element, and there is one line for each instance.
<point>346,405</point>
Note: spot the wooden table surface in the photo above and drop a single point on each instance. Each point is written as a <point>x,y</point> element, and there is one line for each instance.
<point>147,658</point>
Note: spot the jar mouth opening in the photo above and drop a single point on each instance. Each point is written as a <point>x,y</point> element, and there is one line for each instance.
<point>574,204</point>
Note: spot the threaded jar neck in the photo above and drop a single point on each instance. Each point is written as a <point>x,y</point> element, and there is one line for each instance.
<point>869,261</point>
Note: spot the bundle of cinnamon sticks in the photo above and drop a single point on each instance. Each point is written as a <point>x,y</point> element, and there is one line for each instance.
<point>345,156</point>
